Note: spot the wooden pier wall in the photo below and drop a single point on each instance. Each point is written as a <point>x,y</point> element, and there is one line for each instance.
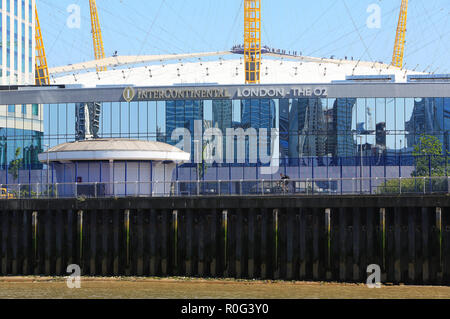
<point>314,238</point>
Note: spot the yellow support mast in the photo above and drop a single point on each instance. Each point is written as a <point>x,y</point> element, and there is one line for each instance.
<point>41,74</point>
<point>252,40</point>
<point>400,39</point>
<point>99,50</point>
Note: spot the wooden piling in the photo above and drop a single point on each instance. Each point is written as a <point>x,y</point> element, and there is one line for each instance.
<point>59,242</point>
<point>425,246</point>
<point>69,240</point>
<point>398,245</point>
<point>435,256</point>
<point>214,247</point>
<point>116,227</point>
<point>356,244</point>
<point>263,239</point>
<point>188,242</point>
<point>290,245</point>
<point>26,236</point>
<point>14,238</point>
<point>342,244</point>
<point>127,241</point>
<point>411,246</point>
<point>164,252</point>
<point>152,243</point>
<point>446,245</point>
<point>34,225</point>
<point>93,241</point>
<point>107,221</point>
<point>251,243</point>
<point>327,261</point>
<point>140,243</point>
<point>239,244</point>
<point>225,242</point>
<point>316,244</point>
<point>302,244</point>
<point>200,234</point>
<point>275,244</point>
<point>80,239</point>
<point>48,242</point>
<point>382,248</point>
<point>175,225</point>
<point>439,258</point>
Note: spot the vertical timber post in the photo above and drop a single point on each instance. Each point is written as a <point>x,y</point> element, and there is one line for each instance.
<point>225,241</point>
<point>302,243</point>
<point>14,237</point>
<point>25,245</point>
<point>34,235</point>
<point>356,243</point>
<point>175,239</point>
<point>276,264</point>
<point>328,242</point>
<point>80,238</point>
<point>213,244</point>
<point>342,240</point>
<point>382,243</point>
<point>127,241</point>
<point>59,241</point>
<point>439,238</point>
<point>251,243</point>
<point>188,242</point>
<point>398,247</point>
<point>153,242</point>
<point>140,243</point>
<point>116,242</point>
<point>411,246</point>
<point>425,247</point>
<point>290,245</point>
<point>238,247</point>
<point>93,242</point>
<point>263,253</point>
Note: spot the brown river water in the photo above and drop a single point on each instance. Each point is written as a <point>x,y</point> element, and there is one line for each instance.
<point>182,288</point>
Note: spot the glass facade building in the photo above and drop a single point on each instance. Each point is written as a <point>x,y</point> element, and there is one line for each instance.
<point>339,130</point>
<point>17,45</point>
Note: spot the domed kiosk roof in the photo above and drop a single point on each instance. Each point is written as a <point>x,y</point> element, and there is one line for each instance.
<point>114,150</point>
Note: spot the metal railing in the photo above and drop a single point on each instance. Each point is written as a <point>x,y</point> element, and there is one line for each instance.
<point>294,187</point>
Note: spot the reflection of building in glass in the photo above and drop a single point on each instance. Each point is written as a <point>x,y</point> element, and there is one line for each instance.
<point>381,136</point>
<point>340,136</point>
<point>87,120</point>
<point>29,143</point>
<point>21,128</point>
<point>307,128</point>
<point>258,114</point>
<point>222,118</point>
<point>182,114</point>
<point>284,127</point>
<point>430,116</point>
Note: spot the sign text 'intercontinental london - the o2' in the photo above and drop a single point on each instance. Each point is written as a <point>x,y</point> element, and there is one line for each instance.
<point>130,93</point>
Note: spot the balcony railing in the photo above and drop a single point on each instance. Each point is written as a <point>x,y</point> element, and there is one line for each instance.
<point>290,187</point>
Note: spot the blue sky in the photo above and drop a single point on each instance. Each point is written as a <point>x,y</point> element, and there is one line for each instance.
<point>317,28</point>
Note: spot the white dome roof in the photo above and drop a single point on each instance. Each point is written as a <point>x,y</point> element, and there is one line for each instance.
<point>114,150</point>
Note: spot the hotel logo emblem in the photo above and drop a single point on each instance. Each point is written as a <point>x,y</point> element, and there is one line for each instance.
<point>128,94</point>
